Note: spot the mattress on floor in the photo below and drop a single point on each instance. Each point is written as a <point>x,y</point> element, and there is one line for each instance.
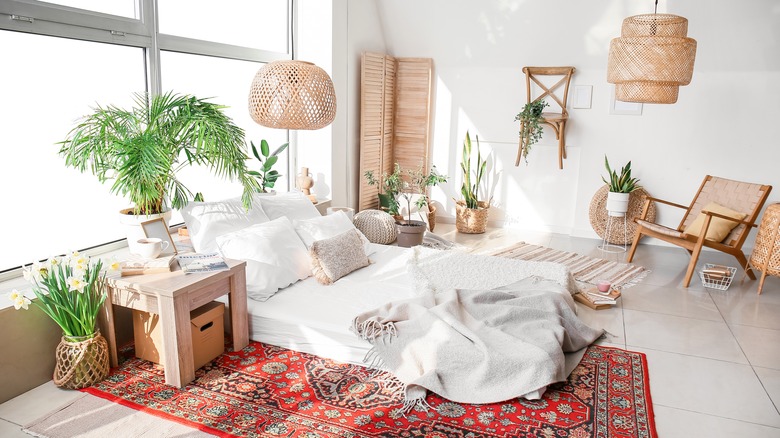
<point>314,318</point>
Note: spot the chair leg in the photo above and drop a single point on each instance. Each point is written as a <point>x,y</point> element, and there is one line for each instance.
<point>692,265</point>
<point>761,283</point>
<point>740,256</point>
<point>637,236</point>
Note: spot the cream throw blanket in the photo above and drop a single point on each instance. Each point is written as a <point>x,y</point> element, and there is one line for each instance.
<point>477,346</point>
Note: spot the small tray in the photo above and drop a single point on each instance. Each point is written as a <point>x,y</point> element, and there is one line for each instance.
<point>717,281</point>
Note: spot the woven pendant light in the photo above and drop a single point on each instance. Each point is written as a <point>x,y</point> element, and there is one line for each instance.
<point>292,95</point>
<point>652,58</point>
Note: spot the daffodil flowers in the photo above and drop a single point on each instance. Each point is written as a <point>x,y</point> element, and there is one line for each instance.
<point>69,289</point>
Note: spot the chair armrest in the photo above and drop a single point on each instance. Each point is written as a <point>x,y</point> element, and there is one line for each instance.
<point>741,221</point>
<point>650,198</point>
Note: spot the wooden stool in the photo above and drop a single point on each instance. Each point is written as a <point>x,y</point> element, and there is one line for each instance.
<point>766,253</point>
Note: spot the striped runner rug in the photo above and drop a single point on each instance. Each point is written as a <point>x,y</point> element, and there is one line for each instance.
<point>584,268</point>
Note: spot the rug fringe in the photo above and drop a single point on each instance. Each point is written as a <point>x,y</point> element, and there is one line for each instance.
<point>636,280</point>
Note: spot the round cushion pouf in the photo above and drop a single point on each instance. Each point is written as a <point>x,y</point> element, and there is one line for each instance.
<point>377,226</point>
<point>598,215</point>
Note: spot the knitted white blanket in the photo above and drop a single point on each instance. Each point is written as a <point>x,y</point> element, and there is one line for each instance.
<point>477,346</point>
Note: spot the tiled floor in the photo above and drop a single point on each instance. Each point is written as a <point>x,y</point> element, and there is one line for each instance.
<point>714,356</point>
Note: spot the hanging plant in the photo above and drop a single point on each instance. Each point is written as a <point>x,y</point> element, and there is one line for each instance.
<point>530,130</point>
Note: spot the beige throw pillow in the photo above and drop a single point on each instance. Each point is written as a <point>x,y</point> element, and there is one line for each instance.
<point>337,256</point>
<point>719,228</point>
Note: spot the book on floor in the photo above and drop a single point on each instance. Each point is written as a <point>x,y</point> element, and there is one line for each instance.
<point>594,299</point>
<point>136,265</point>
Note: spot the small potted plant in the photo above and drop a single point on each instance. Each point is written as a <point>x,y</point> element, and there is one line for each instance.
<point>470,213</point>
<point>391,186</point>
<point>530,129</point>
<point>421,181</point>
<point>620,187</point>
<point>266,176</point>
<point>71,291</point>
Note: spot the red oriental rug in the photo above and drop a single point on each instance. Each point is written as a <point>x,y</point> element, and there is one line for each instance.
<point>265,391</point>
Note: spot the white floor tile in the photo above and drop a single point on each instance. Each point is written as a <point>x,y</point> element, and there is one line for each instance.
<point>610,320</point>
<point>770,378</point>
<point>696,337</point>
<point>677,423</point>
<point>761,346</point>
<point>740,304</point>
<point>36,403</point>
<point>11,430</point>
<point>708,386</point>
<point>678,301</point>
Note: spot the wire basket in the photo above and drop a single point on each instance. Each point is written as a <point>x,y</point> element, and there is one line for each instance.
<point>715,281</point>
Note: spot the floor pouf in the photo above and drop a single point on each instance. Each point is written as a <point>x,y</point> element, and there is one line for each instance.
<point>377,226</point>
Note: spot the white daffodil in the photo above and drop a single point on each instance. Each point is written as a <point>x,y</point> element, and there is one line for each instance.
<point>53,261</point>
<point>27,274</point>
<point>114,264</point>
<point>76,284</point>
<point>22,302</point>
<point>14,295</point>
<point>78,260</point>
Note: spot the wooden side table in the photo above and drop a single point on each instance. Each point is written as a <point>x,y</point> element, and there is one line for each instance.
<point>766,252</point>
<point>172,295</point>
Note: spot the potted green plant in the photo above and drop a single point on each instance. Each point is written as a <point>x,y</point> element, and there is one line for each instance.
<point>470,213</point>
<point>391,186</point>
<point>266,177</point>
<point>421,181</point>
<point>71,291</point>
<point>530,129</point>
<point>142,148</point>
<point>620,187</point>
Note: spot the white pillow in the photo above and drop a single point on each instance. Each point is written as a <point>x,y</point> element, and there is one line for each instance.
<point>294,205</point>
<point>207,220</point>
<point>325,227</point>
<point>274,254</point>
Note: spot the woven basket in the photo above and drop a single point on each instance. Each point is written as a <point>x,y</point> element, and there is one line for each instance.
<point>431,217</point>
<point>766,252</point>
<point>471,220</point>
<point>82,362</point>
<point>598,216</point>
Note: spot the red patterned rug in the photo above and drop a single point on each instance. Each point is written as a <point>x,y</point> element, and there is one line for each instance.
<point>266,391</point>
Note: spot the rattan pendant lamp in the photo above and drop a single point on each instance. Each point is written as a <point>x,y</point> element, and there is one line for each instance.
<point>292,94</point>
<point>652,58</point>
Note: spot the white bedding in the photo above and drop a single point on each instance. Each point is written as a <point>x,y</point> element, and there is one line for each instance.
<point>313,318</point>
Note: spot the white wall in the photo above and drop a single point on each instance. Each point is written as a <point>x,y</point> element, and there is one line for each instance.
<point>726,123</point>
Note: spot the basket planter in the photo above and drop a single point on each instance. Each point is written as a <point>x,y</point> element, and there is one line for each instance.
<point>471,220</point>
<point>410,233</point>
<point>617,204</point>
<point>431,217</point>
<point>81,361</point>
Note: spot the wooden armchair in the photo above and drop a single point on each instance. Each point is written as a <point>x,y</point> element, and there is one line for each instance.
<point>738,196</point>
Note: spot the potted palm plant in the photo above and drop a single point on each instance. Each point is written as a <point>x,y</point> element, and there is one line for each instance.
<point>140,150</point>
<point>620,187</point>
<point>470,213</point>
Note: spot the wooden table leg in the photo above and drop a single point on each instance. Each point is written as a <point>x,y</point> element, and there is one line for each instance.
<point>106,324</point>
<point>238,310</point>
<point>176,340</point>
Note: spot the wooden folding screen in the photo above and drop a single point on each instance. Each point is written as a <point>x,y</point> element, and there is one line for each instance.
<point>395,112</point>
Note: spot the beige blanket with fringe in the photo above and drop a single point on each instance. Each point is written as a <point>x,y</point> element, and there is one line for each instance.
<point>476,346</point>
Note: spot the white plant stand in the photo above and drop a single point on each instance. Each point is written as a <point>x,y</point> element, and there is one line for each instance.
<point>616,222</point>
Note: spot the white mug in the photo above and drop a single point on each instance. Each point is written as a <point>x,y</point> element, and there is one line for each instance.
<point>151,247</point>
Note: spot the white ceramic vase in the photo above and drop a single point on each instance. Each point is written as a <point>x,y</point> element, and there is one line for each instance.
<point>617,204</point>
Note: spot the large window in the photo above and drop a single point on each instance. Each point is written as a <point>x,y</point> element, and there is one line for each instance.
<point>63,57</point>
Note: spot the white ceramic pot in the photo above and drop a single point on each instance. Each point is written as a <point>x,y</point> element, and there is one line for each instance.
<point>617,204</point>
<point>133,230</point>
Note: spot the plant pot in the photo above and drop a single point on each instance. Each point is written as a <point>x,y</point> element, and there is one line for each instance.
<point>431,217</point>
<point>133,228</point>
<point>410,233</point>
<point>81,362</point>
<point>471,220</point>
<point>617,204</point>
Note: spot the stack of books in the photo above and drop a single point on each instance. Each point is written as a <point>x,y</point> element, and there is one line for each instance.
<point>594,299</point>
<point>135,265</point>
<point>716,273</point>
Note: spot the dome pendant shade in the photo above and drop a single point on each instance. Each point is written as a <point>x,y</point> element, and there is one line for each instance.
<point>652,58</point>
<point>292,95</point>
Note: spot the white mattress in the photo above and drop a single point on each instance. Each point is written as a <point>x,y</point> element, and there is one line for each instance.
<point>313,318</point>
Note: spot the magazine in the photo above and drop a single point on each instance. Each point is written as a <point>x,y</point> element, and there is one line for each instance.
<point>202,262</point>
